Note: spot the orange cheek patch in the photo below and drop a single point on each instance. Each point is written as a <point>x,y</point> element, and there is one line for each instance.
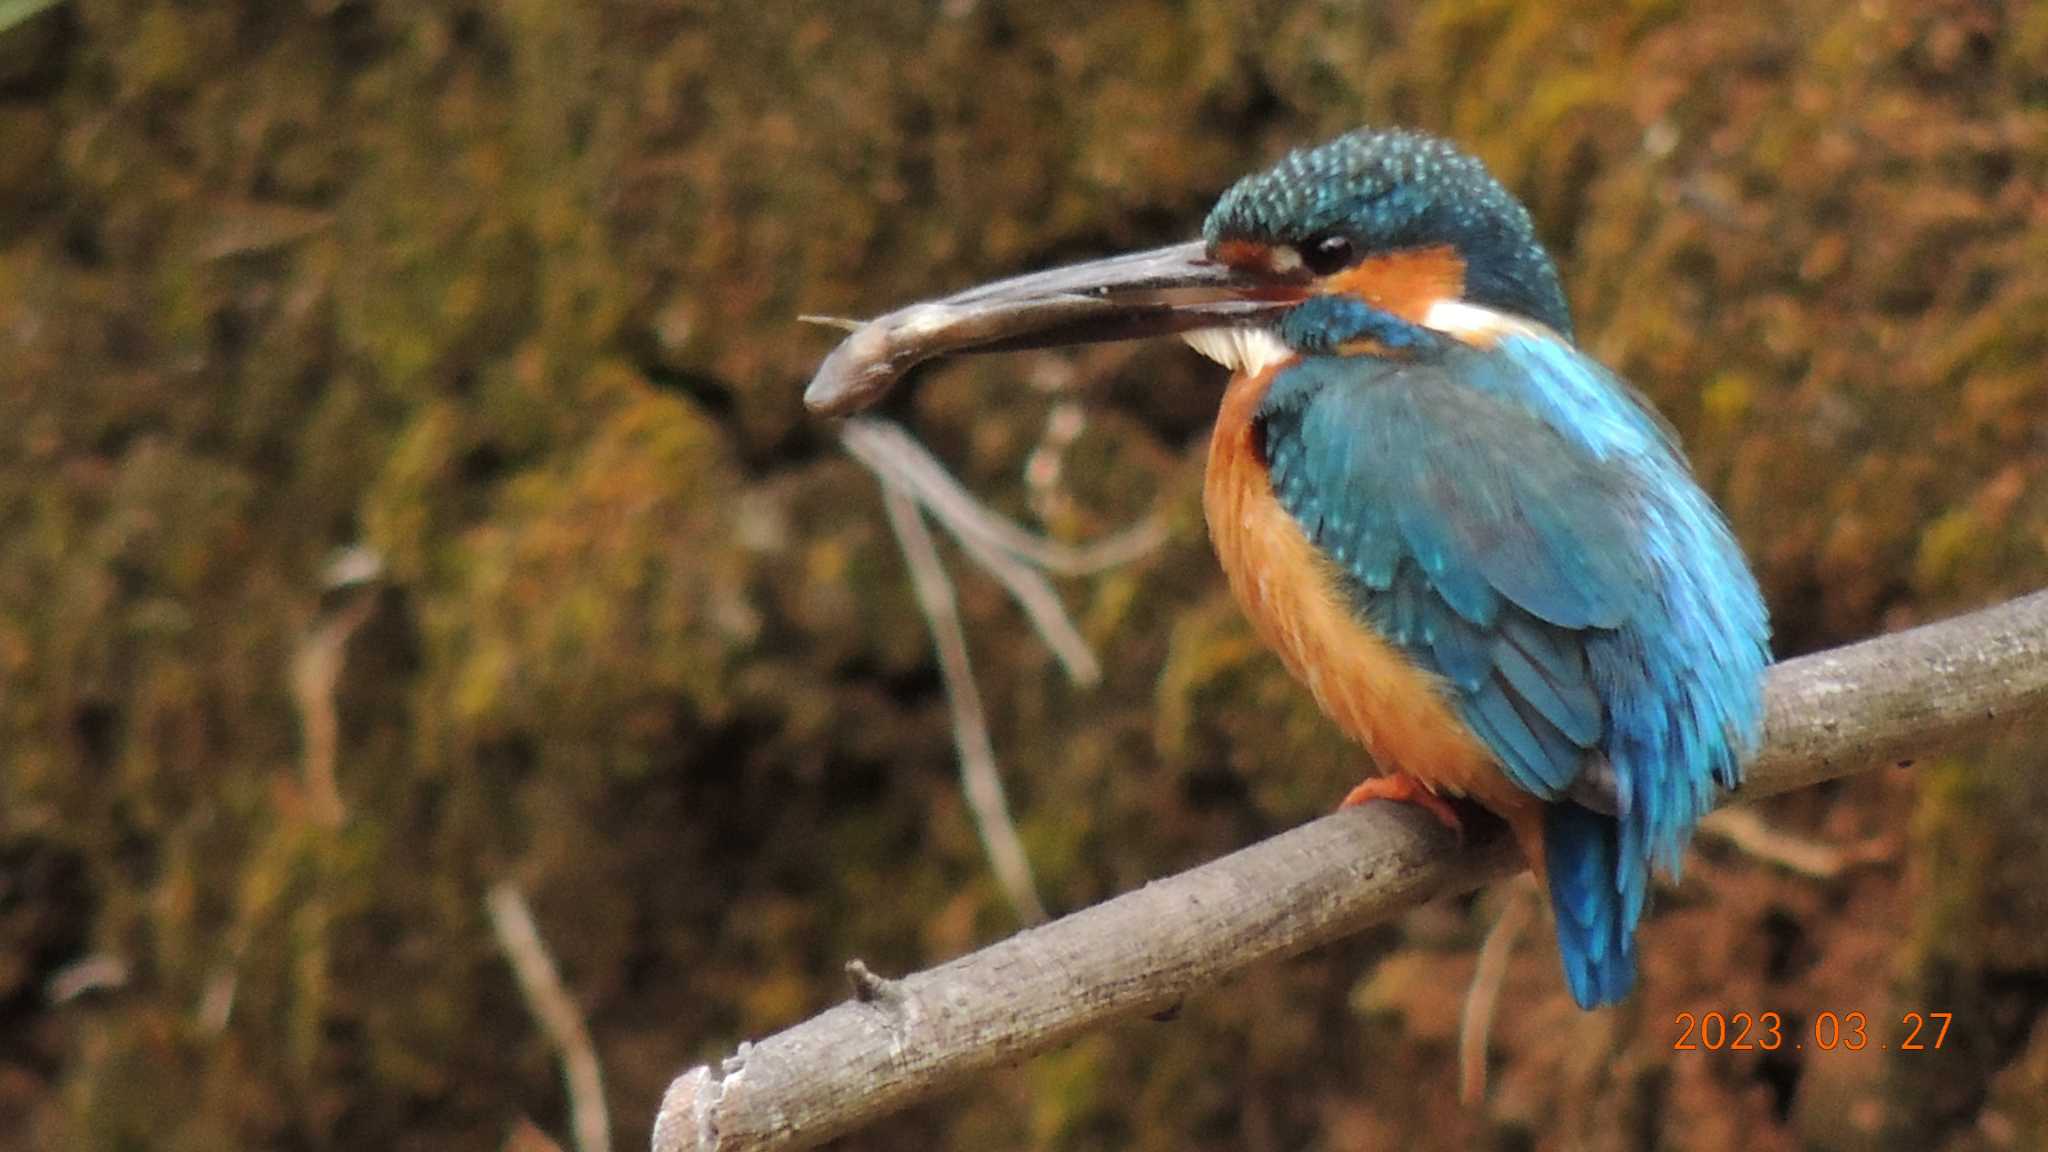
<point>1403,283</point>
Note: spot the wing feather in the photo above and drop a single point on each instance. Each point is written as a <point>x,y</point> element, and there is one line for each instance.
<point>1473,537</point>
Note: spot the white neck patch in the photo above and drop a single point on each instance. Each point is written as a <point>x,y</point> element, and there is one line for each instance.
<point>1250,351</point>
<point>1476,323</point>
<point>1245,351</point>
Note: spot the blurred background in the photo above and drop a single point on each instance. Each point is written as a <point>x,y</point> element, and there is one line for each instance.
<point>404,489</point>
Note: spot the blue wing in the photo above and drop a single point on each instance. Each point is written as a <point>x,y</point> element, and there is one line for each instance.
<point>1516,522</point>
<point>1482,560</point>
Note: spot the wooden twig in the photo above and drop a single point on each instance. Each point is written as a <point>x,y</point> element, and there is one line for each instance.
<point>541,983</point>
<point>1750,834</point>
<point>1475,1024</point>
<point>1883,701</point>
<point>1041,604</point>
<point>353,574</point>
<point>98,972</point>
<point>979,779</point>
<point>895,454</point>
<point>316,673</point>
<point>915,484</point>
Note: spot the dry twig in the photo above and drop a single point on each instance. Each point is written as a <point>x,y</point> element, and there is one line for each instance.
<point>913,484</point>
<point>978,776</point>
<point>895,454</point>
<point>98,972</point>
<point>353,574</point>
<point>1883,701</point>
<point>1749,833</point>
<point>541,983</point>
<point>1476,1024</point>
<point>316,671</point>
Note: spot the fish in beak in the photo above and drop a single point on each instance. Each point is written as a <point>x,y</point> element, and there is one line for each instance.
<point>1224,310</point>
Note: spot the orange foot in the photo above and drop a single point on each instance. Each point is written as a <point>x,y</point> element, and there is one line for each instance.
<point>1405,789</point>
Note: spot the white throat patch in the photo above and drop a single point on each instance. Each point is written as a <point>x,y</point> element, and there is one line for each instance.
<point>1245,351</point>
<point>1250,351</point>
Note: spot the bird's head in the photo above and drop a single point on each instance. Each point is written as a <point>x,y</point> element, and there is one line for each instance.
<point>1403,222</point>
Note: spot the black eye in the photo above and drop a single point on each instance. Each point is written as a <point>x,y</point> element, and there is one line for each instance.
<point>1327,254</point>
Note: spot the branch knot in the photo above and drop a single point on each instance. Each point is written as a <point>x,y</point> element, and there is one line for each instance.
<point>869,988</point>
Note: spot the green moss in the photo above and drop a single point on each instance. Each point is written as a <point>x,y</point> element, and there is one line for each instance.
<point>507,293</point>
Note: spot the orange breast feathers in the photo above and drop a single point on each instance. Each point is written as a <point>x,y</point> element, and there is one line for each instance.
<point>1292,594</point>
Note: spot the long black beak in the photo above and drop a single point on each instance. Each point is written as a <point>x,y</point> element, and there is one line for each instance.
<point>1156,293</point>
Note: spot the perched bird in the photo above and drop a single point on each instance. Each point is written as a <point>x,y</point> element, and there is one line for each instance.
<point>1481,552</point>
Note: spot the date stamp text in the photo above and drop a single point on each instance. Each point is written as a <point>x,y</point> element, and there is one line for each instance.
<point>1824,1032</point>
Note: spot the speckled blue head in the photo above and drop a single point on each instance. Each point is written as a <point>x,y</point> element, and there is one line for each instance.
<point>1391,191</point>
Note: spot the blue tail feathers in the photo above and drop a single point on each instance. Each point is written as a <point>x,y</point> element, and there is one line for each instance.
<point>1596,892</point>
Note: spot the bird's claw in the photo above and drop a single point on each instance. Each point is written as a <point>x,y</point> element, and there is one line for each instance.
<point>1402,788</point>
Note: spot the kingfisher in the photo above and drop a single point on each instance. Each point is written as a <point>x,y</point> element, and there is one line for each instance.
<point>1482,552</point>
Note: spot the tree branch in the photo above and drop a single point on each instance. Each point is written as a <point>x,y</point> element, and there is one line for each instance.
<point>895,455</point>
<point>914,483</point>
<point>1489,972</point>
<point>979,779</point>
<point>541,983</point>
<point>1887,700</point>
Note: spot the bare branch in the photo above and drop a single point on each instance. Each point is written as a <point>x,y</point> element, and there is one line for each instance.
<point>316,671</point>
<point>1749,833</point>
<point>1041,604</point>
<point>901,463</point>
<point>353,574</point>
<point>97,972</point>
<point>914,483</point>
<point>1488,974</point>
<point>895,454</point>
<point>1883,701</point>
<point>556,1010</point>
<point>978,776</point>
